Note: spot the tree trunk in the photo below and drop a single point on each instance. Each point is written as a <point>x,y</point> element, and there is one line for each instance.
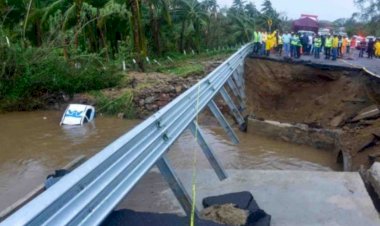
<point>182,41</point>
<point>78,26</point>
<point>137,33</point>
<point>65,52</point>
<point>155,29</point>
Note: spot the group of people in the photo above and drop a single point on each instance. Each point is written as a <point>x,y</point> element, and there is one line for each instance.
<point>296,44</point>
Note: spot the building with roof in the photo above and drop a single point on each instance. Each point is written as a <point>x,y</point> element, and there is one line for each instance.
<point>306,23</point>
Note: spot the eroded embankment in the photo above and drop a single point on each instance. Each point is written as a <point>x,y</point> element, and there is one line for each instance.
<point>319,97</point>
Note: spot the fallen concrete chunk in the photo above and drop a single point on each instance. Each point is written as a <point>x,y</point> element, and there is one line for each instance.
<point>369,112</point>
<point>337,120</point>
<point>374,177</point>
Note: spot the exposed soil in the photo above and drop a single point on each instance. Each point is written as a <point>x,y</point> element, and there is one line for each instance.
<point>226,214</point>
<point>319,97</point>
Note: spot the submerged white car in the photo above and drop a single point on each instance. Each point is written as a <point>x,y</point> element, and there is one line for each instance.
<point>78,114</point>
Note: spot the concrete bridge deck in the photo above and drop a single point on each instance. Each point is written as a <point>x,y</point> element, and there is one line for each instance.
<point>292,198</point>
<point>372,66</point>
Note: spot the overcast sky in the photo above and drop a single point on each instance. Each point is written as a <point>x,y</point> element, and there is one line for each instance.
<point>325,9</point>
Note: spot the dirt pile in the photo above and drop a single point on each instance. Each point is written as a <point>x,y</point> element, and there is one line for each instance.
<point>225,214</point>
<point>321,98</point>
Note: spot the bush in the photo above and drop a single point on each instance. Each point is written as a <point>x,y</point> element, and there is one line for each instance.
<point>112,106</point>
<point>29,77</point>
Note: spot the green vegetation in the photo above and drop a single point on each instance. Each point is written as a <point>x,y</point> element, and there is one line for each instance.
<point>366,22</point>
<point>184,70</point>
<point>369,18</point>
<point>31,77</point>
<point>186,65</point>
<point>119,105</point>
<point>50,48</point>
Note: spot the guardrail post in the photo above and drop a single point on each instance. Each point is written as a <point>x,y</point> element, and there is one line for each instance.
<point>222,121</point>
<point>241,73</point>
<point>236,92</point>
<point>239,118</point>
<point>175,184</point>
<point>207,150</point>
<point>239,83</point>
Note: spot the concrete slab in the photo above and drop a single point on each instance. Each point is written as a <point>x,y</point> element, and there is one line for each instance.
<point>371,66</point>
<point>292,197</point>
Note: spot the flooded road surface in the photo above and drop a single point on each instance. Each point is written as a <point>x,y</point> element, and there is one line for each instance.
<point>33,145</point>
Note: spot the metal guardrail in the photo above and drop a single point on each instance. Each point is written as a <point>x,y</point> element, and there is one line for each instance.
<point>89,193</point>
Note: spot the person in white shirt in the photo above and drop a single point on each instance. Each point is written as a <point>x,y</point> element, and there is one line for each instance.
<point>286,38</point>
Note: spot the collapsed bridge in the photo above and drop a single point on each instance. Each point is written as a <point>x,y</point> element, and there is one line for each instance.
<point>90,193</point>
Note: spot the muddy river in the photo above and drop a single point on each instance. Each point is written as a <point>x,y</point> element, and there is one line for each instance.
<point>32,145</point>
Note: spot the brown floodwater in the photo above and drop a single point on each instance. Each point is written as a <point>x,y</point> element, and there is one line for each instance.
<point>32,145</point>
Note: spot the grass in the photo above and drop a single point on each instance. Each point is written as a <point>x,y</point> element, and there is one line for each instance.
<point>183,70</point>
<point>115,105</point>
<point>187,65</point>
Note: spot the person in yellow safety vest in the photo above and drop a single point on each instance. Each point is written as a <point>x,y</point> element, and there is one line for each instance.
<point>295,46</point>
<point>335,45</point>
<point>328,45</point>
<point>280,44</point>
<point>346,42</point>
<point>275,41</point>
<point>344,45</point>
<point>377,48</point>
<point>263,43</point>
<point>256,43</point>
<point>270,43</point>
<point>317,46</point>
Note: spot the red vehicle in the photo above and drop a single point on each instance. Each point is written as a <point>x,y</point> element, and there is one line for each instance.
<point>358,39</point>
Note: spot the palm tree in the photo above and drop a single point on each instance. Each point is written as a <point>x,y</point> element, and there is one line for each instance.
<point>72,15</point>
<point>211,6</point>
<point>238,5</point>
<point>137,30</point>
<point>114,20</point>
<point>242,28</point>
<point>157,10</point>
<point>32,22</point>
<point>193,18</point>
<point>268,13</point>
